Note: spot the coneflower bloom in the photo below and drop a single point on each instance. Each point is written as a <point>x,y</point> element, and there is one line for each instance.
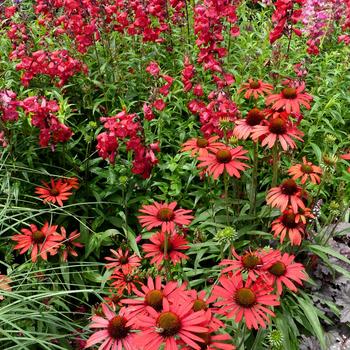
<point>290,99</point>
<point>68,245</point>
<point>250,262</point>
<point>288,193</point>
<point>54,192</point>
<point>175,243</point>
<point>305,171</point>
<point>277,129</point>
<point>201,146</point>
<point>123,282</point>
<point>122,261</point>
<point>224,159</point>
<point>114,298</point>
<point>244,127</point>
<point>117,331</point>
<point>43,241</point>
<point>165,216</point>
<point>283,270</point>
<point>175,324</point>
<point>286,224</point>
<point>255,88</point>
<point>152,295</point>
<point>238,299</point>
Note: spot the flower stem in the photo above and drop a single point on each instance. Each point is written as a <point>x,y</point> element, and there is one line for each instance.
<point>166,260</point>
<point>275,165</point>
<point>254,184</point>
<point>226,184</point>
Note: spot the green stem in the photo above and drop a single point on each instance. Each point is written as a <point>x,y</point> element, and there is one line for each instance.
<point>166,260</point>
<point>240,346</point>
<point>226,184</point>
<point>275,165</point>
<point>254,185</point>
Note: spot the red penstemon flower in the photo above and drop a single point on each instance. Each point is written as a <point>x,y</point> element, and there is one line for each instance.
<point>122,261</point>
<point>288,193</point>
<point>287,224</point>
<point>201,146</point>
<point>290,99</point>
<point>175,243</point>
<point>68,245</point>
<point>174,324</point>
<point>244,127</point>
<point>283,270</point>
<point>224,159</point>
<point>54,192</point>
<point>255,88</point>
<point>152,295</point>
<point>306,171</point>
<point>165,216</point>
<point>43,241</point>
<point>117,331</point>
<point>238,299</point>
<point>277,128</point>
<point>250,262</point>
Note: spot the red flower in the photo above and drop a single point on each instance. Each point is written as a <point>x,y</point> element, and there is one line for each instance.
<point>224,159</point>
<point>283,270</point>
<point>153,68</point>
<point>175,244</point>
<point>164,216</point>
<point>290,99</point>
<point>202,146</point>
<point>244,127</point>
<point>238,299</point>
<point>73,182</point>
<point>117,330</point>
<point>214,341</point>
<point>288,193</point>
<point>255,88</point>
<point>55,192</point>
<point>123,261</point>
<point>287,224</point>
<point>124,282</point>
<point>306,170</point>
<point>152,295</point>
<point>43,241</point>
<point>174,324</point>
<point>345,156</point>
<point>68,244</point>
<point>277,128</point>
<point>250,262</point>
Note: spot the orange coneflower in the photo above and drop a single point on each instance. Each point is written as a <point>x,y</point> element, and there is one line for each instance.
<point>290,99</point>
<point>244,127</point>
<point>288,193</point>
<point>54,192</point>
<point>117,331</point>
<point>284,270</point>
<point>255,88</point>
<point>175,243</point>
<point>238,299</point>
<point>176,323</point>
<point>69,243</point>
<point>123,261</point>
<point>164,215</point>
<point>200,146</point>
<point>224,159</point>
<point>278,128</point>
<point>43,241</point>
<point>304,171</point>
<point>287,224</point>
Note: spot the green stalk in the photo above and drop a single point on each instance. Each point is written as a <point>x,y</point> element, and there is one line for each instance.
<point>226,184</point>
<point>275,165</point>
<point>254,184</point>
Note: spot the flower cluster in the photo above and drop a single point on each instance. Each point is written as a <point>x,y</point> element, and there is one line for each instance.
<point>284,19</point>
<point>42,116</point>
<point>58,65</point>
<point>8,105</point>
<point>124,126</point>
